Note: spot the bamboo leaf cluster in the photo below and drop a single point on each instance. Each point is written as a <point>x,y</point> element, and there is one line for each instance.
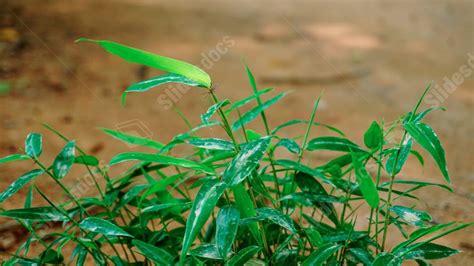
<point>252,197</point>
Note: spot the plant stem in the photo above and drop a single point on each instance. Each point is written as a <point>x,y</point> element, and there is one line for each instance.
<point>379,172</point>
<point>82,153</point>
<point>74,200</point>
<point>228,129</point>
<point>389,196</point>
<point>270,154</point>
<point>394,173</point>
<point>73,221</point>
<point>306,135</point>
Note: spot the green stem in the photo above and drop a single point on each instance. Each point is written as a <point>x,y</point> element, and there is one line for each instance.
<point>73,221</point>
<point>308,129</point>
<point>305,138</point>
<point>394,173</point>
<point>379,172</point>
<point>270,154</point>
<point>228,129</point>
<point>275,177</point>
<point>82,153</point>
<point>74,200</point>
<point>389,197</point>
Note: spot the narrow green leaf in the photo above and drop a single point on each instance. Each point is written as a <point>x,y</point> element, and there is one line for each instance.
<point>164,206</point>
<point>155,254</point>
<point>290,145</point>
<point>386,259</point>
<point>43,214</point>
<point>51,256</point>
<point>81,254</point>
<point>251,79</point>
<point>292,165</point>
<point>341,236</point>
<point>119,261</point>
<point>166,197</point>
<point>203,205</point>
<point>283,255</point>
<point>187,135</point>
<point>418,156</point>
<point>333,144</point>
<point>155,61</point>
<point>19,183</point>
<point>418,117</point>
<point>246,100</point>
<point>366,184</point>
<point>417,183</point>
<point>131,194</point>
<point>212,110</point>
<point>247,210</point>
<point>13,158</point>
<point>86,160</point>
<point>289,164</point>
<point>218,156</point>
<point>102,226</point>
<point>411,216</point>
<point>421,233</point>
<point>162,184</point>
<point>246,161</point>
<point>207,251</point>
<point>308,184</point>
<point>157,81</point>
<point>427,138</point>
<point>314,237</point>
<point>63,162</point>
<point>133,139</point>
<point>252,134</point>
<point>361,255</point>
<point>21,261</point>
<point>402,154</point>
<point>29,198</point>
<point>414,246</point>
<point>34,145</point>
<point>338,162</point>
<point>254,112</point>
<point>244,255</point>
<point>212,144</point>
<point>297,122</point>
<point>227,224</point>
<point>308,199</point>
<point>277,217</point>
<point>373,136</point>
<point>321,255</point>
<point>429,251</point>
<point>156,158</point>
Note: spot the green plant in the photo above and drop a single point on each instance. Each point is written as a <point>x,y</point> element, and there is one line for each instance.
<point>236,200</point>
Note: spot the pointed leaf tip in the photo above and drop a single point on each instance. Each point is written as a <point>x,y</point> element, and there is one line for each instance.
<point>65,159</point>
<point>102,226</point>
<point>149,59</point>
<point>83,40</point>
<point>246,161</point>
<point>204,203</point>
<point>33,144</point>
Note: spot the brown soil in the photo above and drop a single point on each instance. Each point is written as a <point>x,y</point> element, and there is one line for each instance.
<point>370,59</point>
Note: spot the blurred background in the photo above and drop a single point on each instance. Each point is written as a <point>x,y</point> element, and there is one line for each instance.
<point>371,60</point>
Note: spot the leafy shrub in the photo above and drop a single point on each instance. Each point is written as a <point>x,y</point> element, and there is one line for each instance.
<point>235,201</point>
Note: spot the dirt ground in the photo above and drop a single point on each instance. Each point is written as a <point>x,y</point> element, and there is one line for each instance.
<point>370,59</point>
